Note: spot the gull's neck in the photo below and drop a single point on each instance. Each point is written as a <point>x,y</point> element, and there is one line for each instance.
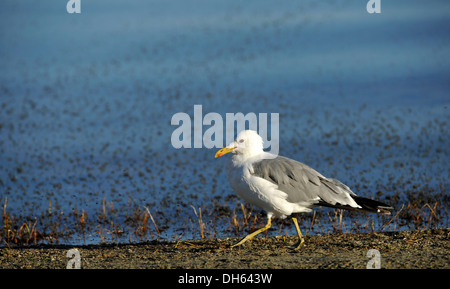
<point>240,159</point>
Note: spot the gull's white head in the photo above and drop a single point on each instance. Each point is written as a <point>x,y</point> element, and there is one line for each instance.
<point>247,143</point>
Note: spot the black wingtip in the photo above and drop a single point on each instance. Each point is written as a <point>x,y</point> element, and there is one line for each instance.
<point>373,206</point>
<point>367,205</point>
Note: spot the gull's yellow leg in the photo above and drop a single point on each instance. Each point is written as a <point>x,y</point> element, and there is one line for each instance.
<point>300,242</point>
<point>250,236</point>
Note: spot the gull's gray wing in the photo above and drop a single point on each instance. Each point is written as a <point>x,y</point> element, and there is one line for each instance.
<point>303,184</point>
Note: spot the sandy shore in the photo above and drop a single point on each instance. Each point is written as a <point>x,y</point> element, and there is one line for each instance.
<point>406,249</point>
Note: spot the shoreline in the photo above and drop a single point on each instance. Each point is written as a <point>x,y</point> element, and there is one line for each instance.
<point>424,249</point>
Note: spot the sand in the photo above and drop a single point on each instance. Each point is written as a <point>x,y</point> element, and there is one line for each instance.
<point>406,249</point>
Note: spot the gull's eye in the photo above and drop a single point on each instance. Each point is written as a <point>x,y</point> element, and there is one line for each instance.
<point>241,140</point>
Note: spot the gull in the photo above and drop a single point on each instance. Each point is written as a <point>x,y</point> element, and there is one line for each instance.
<point>285,187</point>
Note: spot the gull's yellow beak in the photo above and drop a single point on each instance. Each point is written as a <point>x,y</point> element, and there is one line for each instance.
<point>223,151</point>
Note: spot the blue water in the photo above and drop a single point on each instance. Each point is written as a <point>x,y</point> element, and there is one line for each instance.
<point>86,100</point>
